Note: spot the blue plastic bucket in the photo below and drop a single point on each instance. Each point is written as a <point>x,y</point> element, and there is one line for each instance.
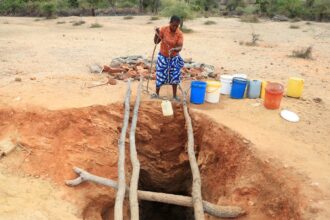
<point>238,88</point>
<point>197,94</point>
<point>254,89</point>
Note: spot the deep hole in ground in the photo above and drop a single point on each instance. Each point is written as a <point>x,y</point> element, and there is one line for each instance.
<point>165,167</point>
<point>87,137</point>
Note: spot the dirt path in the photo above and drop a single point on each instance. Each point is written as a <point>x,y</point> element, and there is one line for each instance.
<point>58,56</point>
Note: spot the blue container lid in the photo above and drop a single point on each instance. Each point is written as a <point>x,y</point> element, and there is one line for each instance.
<point>199,84</point>
<point>240,80</point>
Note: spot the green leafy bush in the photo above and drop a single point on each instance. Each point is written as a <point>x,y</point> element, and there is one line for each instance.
<point>179,8</point>
<point>49,9</point>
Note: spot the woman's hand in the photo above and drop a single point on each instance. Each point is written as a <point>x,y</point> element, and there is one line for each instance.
<point>157,38</point>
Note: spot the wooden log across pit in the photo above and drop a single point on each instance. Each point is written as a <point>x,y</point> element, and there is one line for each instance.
<point>212,209</point>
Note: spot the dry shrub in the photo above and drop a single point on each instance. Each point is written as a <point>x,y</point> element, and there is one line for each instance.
<point>305,53</point>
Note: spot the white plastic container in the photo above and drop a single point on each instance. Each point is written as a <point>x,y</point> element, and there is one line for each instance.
<point>167,108</point>
<point>213,91</point>
<point>226,81</point>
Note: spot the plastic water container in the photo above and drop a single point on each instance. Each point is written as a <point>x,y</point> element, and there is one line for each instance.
<point>295,87</point>
<point>238,88</point>
<point>198,89</point>
<point>167,108</point>
<point>263,89</point>
<point>273,95</point>
<point>254,89</point>
<point>226,82</point>
<point>213,91</point>
<point>240,75</point>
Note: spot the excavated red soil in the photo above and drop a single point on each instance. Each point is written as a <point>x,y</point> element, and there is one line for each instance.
<point>87,137</point>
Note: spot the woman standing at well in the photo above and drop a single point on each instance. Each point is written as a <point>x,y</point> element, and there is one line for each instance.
<point>169,62</point>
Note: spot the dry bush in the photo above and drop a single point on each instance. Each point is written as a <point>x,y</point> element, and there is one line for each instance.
<point>305,53</point>
<point>253,42</point>
<point>128,17</point>
<point>250,18</point>
<point>78,23</point>
<point>186,30</point>
<point>209,22</point>
<point>154,18</point>
<point>294,26</point>
<point>96,25</point>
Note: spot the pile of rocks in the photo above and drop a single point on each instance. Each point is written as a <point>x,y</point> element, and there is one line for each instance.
<point>122,68</point>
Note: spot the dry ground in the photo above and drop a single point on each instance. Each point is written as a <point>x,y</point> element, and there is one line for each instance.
<point>58,55</point>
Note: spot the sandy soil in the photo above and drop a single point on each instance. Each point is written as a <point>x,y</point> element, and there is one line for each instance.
<point>58,56</point>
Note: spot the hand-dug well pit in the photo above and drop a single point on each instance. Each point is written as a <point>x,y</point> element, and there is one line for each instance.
<point>87,138</point>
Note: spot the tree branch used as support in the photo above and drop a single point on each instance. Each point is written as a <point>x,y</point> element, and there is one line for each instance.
<point>133,197</point>
<point>121,158</point>
<point>212,209</point>
<point>196,186</point>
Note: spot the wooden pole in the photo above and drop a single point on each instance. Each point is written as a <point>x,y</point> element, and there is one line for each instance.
<point>212,209</point>
<point>196,186</point>
<point>133,197</point>
<point>121,158</point>
<point>151,64</point>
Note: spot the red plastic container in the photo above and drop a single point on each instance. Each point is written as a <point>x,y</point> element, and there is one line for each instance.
<point>273,96</point>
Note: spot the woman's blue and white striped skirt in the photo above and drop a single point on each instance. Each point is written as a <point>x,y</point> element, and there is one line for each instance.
<point>164,64</point>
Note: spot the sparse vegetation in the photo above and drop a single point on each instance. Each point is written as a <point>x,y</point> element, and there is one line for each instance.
<point>255,38</point>
<point>295,9</point>
<point>128,17</point>
<point>149,22</point>
<point>78,23</point>
<point>96,25</point>
<point>186,30</point>
<point>294,26</point>
<point>60,22</point>
<point>305,53</point>
<point>154,18</point>
<point>250,18</point>
<point>209,22</point>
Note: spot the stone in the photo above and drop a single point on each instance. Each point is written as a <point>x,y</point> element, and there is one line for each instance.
<point>112,82</point>
<point>115,63</point>
<point>280,18</point>
<point>188,60</point>
<point>212,75</point>
<point>95,68</point>
<point>317,100</point>
<point>33,78</point>
<point>18,79</point>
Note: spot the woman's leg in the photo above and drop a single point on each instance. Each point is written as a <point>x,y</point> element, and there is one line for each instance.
<point>174,86</point>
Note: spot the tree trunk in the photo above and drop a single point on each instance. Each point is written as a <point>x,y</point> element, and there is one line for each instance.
<point>141,6</point>
<point>181,23</point>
